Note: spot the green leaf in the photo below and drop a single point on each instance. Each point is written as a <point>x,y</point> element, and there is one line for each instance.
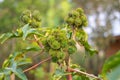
<point>11,61</point>
<point>9,35</point>
<point>32,48</point>
<point>88,49</point>
<point>114,74</point>
<point>5,37</point>
<point>19,73</point>
<point>33,31</point>
<point>18,33</point>
<point>1,74</point>
<point>1,77</point>
<point>6,75</point>
<point>13,65</point>
<point>6,63</point>
<point>25,30</point>
<point>111,63</point>
<point>24,61</point>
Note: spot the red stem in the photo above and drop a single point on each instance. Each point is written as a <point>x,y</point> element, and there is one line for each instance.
<point>36,65</point>
<point>84,73</point>
<point>39,43</point>
<point>69,76</point>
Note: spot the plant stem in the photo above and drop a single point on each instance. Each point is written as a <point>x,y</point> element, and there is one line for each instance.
<point>36,65</point>
<point>84,73</point>
<point>69,76</point>
<point>12,76</point>
<point>39,43</point>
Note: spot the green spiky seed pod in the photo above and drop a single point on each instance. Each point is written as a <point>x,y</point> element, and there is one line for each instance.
<point>36,15</point>
<point>50,39</point>
<point>57,55</point>
<point>55,45</point>
<point>43,40</point>
<point>53,52</point>
<point>70,21</point>
<point>72,49</point>
<point>26,12</point>
<point>83,18</point>
<point>45,44</point>
<point>77,19</point>
<point>63,43</point>
<point>80,10</point>
<point>55,59</point>
<point>60,55</point>
<point>71,42</point>
<point>85,23</point>
<point>78,22</point>
<point>81,36</point>
<point>25,19</point>
<point>75,14</point>
<point>35,24</point>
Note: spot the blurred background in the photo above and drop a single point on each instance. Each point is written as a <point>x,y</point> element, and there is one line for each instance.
<point>103,29</point>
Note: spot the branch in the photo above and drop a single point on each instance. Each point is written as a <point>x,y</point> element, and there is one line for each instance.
<point>84,73</point>
<point>36,65</point>
<point>12,76</point>
<point>69,76</point>
<point>40,44</point>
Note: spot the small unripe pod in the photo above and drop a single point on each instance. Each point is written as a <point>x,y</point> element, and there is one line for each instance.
<point>50,39</point>
<point>75,14</point>
<point>85,24</point>
<point>55,45</point>
<point>81,36</point>
<point>83,18</point>
<point>26,19</point>
<point>71,42</point>
<point>63,43</point>
<point>36,15</point>
<point>78,22</point>
<point>72,49</point>
<point>53,52</point>
<point>60,55</point>
<point>70,21</point>
<point>80,10</point>
<point>55,59</point>
<point>33,23</point>
<point>26,12</point>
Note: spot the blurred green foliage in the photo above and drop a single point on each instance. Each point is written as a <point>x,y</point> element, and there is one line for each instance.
<point>111,67</point>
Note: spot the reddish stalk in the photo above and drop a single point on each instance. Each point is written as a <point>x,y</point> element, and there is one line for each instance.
<point>12,76</point>
<point>39,43</point>
<point>69,76</point>
<point>84,73</point>
<point>36,65</point>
